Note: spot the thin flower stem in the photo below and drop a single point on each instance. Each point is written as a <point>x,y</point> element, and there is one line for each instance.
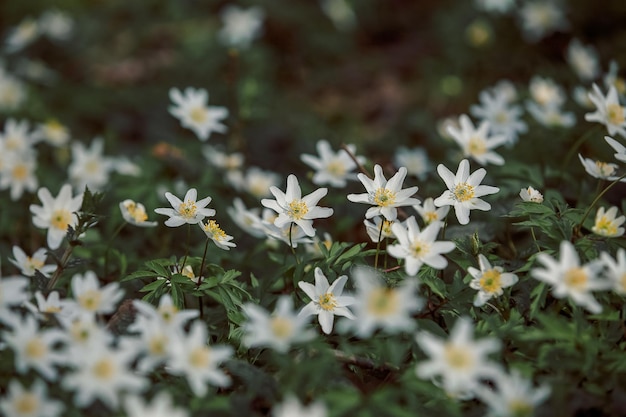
<point>595,201</point>
<point>353,157</point>
<point>206,247</point>
<point>293,250</point>
<point>532,232</point>
<point>187,249</point>
<point>61,267</point>
<point>380,234</point>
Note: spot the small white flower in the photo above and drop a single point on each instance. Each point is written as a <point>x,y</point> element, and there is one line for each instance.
<point>380,306</point>
<point>495,6</point>
<point>56,25</point>
<point>193,358</point>
<point>194,113</point>
<point>241,26</point>
<point>278,330</point>
<point>529,194</point>
<point>89,167</point>
<point>615,270</point>
<point>161,405</point>
<point>551,115</point>
<point>190,210</point>
<point>249,220</point>
<point>13,292</point>
<point>609,112</point>
<point>12,92</point>
<point>377,231</point>
<point>569,278</point>
<point>255,181</point>
<point>50,306</point>
<point>32,402</point>
<point>419,247</point>
<point>291,407</point>
<point>333,168</point>
<point>91,298</point>
<point>213,231</point>
<point>464,190</point>
<point>25,33</point>
<point>514,396</point>
<point>612,78</point>
<point>620,150</point>
<point>29,264</point>
<point>607,223</point>
<point>18,174</point>
<point>327,300</point>
<point>583,60</point>
<point>290,233</point>
<point>385,196</point>
<point>460,362</point>
<point>476,142</point>
<point>56,214</point>
<point>166,314</point>
<point>598,169</point>
<point>222,160</point>
<point>415,161</point>
<point>429,213</point>
<point>340,12</point>
<point>545,92</point>
<point>293,208</point>
<point>135,214</point>
<point>540,18</point>
<point>489,281</point>
<point>16,138</point>
<point>53,133</point>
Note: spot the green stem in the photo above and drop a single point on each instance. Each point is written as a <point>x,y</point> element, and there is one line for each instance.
<point>206,248</point>
<point>293,250</point>
<point>187,249</point>
<point>595,201</point>
<point>380,234</point>
<point>532,232</point>
<point>108,248</point>
<point>57,273</point>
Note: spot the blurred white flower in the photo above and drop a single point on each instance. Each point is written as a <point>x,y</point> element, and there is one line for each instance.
<point>551,115</point>
<point>249,220</point>
<point>583,60</point>
<point>29,264</point>
<point>503,116</point>
<point>56,214</point>
<point>17,172</point>
<point>255,181</point>
<point>332,168</point>
<point>223,160</point>
<point>608,111</point>
<point>540,18</point>
<point>476,143</point>
<point>20,401</point>
<point>90,297</point>
<point>22,35</point>
<point>89,167</point>
<point>56,24</point>
<point>615,270</point>
<point>161,405</point>
<point>415,161</point>
<point>240,26</point>
<point>430,213</point>
<point>53,133</point>
<point>608,223</point>
<point>340,13</point>
<point>459,363</point>
<point>291,407</point>
<point>193,112</point>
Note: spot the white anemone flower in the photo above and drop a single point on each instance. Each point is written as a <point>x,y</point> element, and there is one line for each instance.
<point>476,143</point>
<point>327,300</point>
<point>213,231</point>
<point>20,401</point>
<point>135,213</point>
<point>29,264</point>
<point>539,18</point>
<point>608,223</point>
<point>598,169</point>
<point>385,196</point>
<point>608,111</point>
<point>459,363</point>
<point>278,330</point>
<point>91,298</point>
<point>489,281</point>
<point>53,132</point>
<point>430,213</point>
<point>415,161</point>
<point>89,167</point>
<point>620,150</point>
<point>379,229</point>
<point>615,270</point>
<point>464,190</point>
<point>419,247</point>
<point>514,396</point>
<point>291,407</point>
<point>17,172</point>
<point>190,210</point>
<point>161,405</point>
<point>293,208</point>
<point>56,214</point>
<point>569,278</point>
<point>332,168</point>
<point>504,117</point>
<point>192,357</point>
<point>249,220</point>
<point>193,112</point>
<point>240,26</point>
<point>583,59</point>
<point>529,194</point>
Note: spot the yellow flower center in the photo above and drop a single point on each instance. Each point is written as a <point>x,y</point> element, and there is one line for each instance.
<point>157,345</point>
<point>188,209</point>
<point>104,369</point>
<point>36,348</point>
<point>384,197</point>
<point>198,114</point>
<point>605,169</point>
<point>92,166</point>
<point>520,408</point>
<point>168,312</point>
<point>12,142</point>
<point>61,218</point>
<point>52,309</point>
<point>26,404</point>
<point>200,357</point>
<point>502,117</point>
<point>623,282</point>
<point>188,272</point>
<point>32,263</point>
<point>213,228</point>
<point>490,281</point>
<point>79,333</point>
<point>90,300</point>
<point>20,172</point>
<point>615,114</point>
<point>327,301</point>
<point>336,168</point>
<point>605,227</point>
<point>457,357</point>
<point>387,227</point>
<point>382,302</point>
<point>137,212</point>
<point>420,249</point>
<point>297,209</point>
<point>281,327</point>
<point>576,278</point>
<point>620,85</point>
<point>431,216</point>
<point>477,146</point>
<point>463,192</point>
